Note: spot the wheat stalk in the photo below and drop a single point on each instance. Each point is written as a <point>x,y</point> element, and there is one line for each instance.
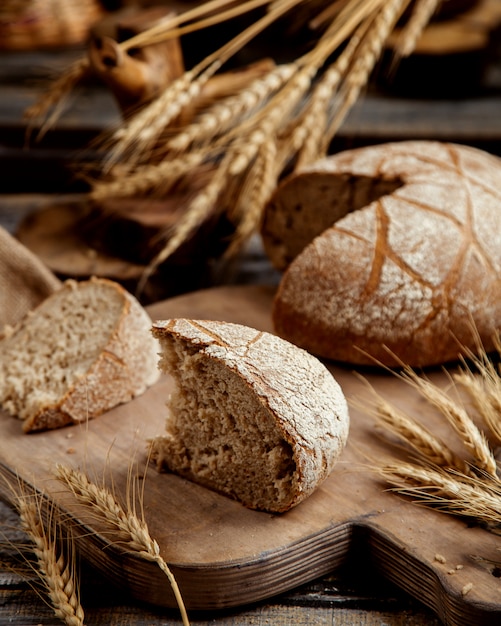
<point>149,178</point>
<point>253,195</point>
<point>222,116</point>
<point>384,21</point>
<point>48,108</point>
<point>438,478</point>
<point>129,528</point>
<point>243,142</point>
<point>473,439</point>
<point>430,448</point>
<point>484,388</point>
<point>55,568</point>
<point>421,15</point>
<point>451,493</point>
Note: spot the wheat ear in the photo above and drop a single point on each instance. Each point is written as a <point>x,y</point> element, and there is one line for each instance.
<point>230,111</point>
<point>485,395</point>
<point>254,193</point>
<point>131,531</point>
<point>369,52</point>
<point>451,493</point>
<point>473,439</point>
<point>140,132</point>
<point>308,134</point>
<point>158,178</point>
<point>429,447</point>
<point>55,98</point>
<point>55,569</point>
<point>484,387</point>
<point>422,13</point>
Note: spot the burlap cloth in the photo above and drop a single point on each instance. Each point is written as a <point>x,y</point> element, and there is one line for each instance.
<point>24,280</point>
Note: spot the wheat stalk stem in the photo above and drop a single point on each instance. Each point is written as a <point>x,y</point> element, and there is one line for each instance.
<point>167,28</point>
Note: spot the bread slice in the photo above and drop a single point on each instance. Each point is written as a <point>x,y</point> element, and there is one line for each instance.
<point>85,349</point>
<point>252,416</point>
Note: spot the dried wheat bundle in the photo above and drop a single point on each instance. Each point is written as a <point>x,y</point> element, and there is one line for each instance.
<point>467,484</point>
<point>245,142</point>
<point>126,524</point>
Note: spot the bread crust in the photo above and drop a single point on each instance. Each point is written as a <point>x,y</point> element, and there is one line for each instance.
<point>299,396</point>
<point>124,368</point>
<point>415,275</point>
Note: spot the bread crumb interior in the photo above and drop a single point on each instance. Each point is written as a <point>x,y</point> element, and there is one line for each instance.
<point>290,225</point>
<point>220,435</point>
<point>59,343</point>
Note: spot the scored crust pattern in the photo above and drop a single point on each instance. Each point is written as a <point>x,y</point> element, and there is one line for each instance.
<point>410,274</point>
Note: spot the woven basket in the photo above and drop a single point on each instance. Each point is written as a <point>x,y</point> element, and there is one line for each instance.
<point>34,24</point>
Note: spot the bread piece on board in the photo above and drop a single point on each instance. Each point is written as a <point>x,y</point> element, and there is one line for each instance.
<point>85,349</point>
<point>403,276</point>
<point>252,417</point>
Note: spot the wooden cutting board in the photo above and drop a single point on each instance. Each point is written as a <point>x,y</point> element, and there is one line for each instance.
<point>224,555</point>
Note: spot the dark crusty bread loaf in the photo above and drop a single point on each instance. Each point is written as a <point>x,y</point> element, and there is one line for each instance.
<point>403,276</point>
<point>85,349</point>
<point>252,416</point>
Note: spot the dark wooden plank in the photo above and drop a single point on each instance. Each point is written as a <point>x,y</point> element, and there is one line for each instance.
<point>378,116</point>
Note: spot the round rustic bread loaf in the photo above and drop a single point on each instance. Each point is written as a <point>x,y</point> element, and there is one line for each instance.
<point>252,416</point>
<point>85,349</point>
<point>393,253</point>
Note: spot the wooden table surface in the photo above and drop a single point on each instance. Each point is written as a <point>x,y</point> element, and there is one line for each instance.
<point>29,178</point>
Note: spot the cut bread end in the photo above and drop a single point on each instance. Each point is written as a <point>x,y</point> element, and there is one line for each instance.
<point>85,349</point>
<point>234,423</point>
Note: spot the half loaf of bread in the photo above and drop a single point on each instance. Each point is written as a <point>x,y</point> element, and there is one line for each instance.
<point>252,416</point>
<point>85,349</point>
<point>393,253</point>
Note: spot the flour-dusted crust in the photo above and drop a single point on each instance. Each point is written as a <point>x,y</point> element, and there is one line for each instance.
<point>85,349</point>
<point>408,274</point>
<point>253,416</point>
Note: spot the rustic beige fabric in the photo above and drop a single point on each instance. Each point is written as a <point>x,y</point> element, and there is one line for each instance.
<point>24,280</point>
